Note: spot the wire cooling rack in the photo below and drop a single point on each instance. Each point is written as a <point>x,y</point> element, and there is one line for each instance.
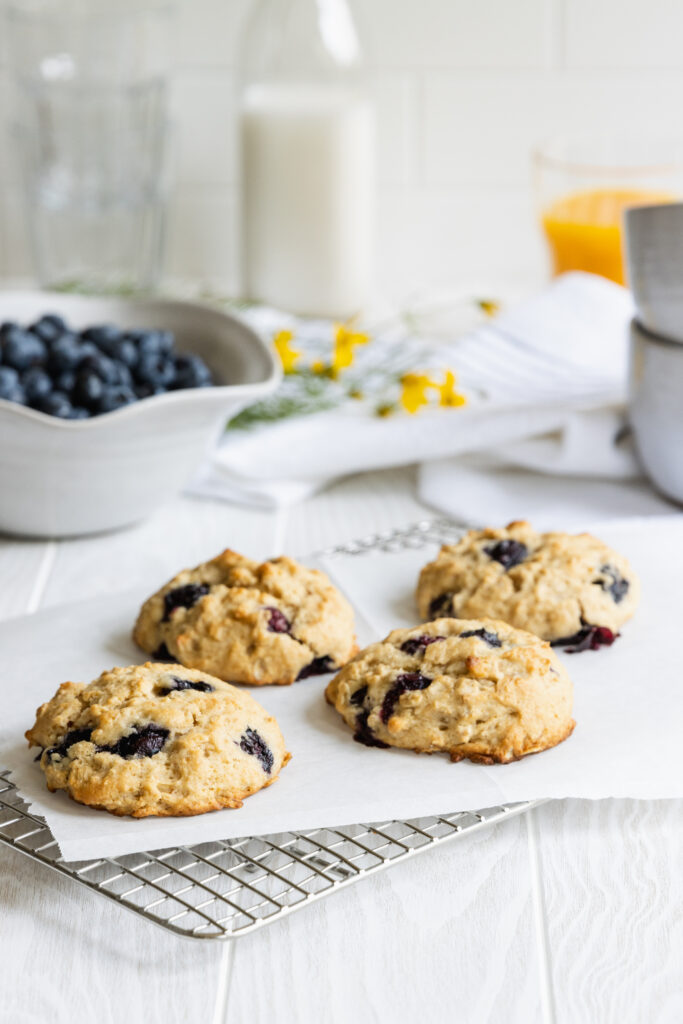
<point>224,889</point>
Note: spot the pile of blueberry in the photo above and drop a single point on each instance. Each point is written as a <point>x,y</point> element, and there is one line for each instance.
<point>78,374</point>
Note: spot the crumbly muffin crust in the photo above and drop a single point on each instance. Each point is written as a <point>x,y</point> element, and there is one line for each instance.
<point>157,739</point>
<point>249,622</point>
<point>565,588</point>
<point>476,689</point>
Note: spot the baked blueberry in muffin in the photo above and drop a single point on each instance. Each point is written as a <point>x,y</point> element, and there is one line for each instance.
<point>476,689</point>
<point>250,622</point>
<point>572,590</point>
<point>157,739</point>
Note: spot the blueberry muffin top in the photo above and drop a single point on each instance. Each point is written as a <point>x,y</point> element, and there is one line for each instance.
<point>249,622</point>
<point>476,689</point>
<point>157,740</point>
<point>572,590</point>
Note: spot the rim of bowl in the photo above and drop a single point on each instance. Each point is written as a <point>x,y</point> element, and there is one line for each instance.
<point>169,397</point>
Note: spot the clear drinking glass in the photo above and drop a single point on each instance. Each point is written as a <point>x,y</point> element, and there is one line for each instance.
<point>92,135</point>
<point>583,187</point>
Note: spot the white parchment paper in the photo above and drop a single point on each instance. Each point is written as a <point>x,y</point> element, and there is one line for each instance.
<point>628,707</point>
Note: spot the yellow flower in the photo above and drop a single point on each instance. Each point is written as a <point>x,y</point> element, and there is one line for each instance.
<point>386,409</point>
<point>414,388</point>
<point>318,367</point>
<point>283,346</point>
<point>489,306</point>
<point>345,341</point>
<point>448,396</point>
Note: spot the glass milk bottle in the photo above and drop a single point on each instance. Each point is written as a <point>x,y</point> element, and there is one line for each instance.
<point>308,134</point>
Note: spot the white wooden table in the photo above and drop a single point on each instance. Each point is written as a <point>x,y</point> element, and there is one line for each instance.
<point>571,913</point>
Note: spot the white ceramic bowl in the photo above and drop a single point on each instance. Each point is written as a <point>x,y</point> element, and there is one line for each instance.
<point>61,478</point>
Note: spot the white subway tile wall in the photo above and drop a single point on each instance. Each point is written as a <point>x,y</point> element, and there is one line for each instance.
<point>464,90</point>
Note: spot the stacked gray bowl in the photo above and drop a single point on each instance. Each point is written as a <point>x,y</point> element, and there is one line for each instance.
<point>654,252</point>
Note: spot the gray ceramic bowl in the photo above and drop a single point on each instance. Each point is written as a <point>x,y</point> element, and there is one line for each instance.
<point>654,252</point>
<point>656,408</point>
<point>61,478</point>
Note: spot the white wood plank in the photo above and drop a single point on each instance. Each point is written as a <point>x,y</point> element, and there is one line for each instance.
<point>447,936</point>
<point>20,563</point>
<point>70,957</point>
<point>613,894</point>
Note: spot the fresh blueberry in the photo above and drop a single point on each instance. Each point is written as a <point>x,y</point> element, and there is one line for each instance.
<point>317,667</point>
<point>65,353</point>
<point>88,389</point>
<point>10,388</point>
<point>18,396</point>
<point>251,743</point>
<point>36,384</point>
<point>135,334</point>
<point>116,397</point>
<point>277,622</point>
<point>65,381</point>
<point>125,351</point>
<point>98,370</point>
<point>9,381</point>
<point>508,552</point>
<point>123,375</point>
<point>113,344</point>
<point>492,639</point>
<point>55,403</point>
<point>5,327</point>
<point>102,335</point>
<point>48,327</point>
<point>21,350</point>
<point>156,369</point>
<point>145,741</point>
<point>403,683</point>
<point>85,348</point>
<point>417,644</point>
<point>55,320</point>
<point>191,372</point>
<point>183,597</point>
<point>187,684</point>
<point>153,342</point>
<point>165,341</point>
<point>101,365</point>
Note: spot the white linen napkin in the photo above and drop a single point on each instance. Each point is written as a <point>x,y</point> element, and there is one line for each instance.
<point>486,491</point>
<point>545,382</point>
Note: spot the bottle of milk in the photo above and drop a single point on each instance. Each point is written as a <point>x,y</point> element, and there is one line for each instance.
<point>308,149</point>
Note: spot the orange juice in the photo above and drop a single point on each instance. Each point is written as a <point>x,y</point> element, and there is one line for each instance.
<point>584,229</point>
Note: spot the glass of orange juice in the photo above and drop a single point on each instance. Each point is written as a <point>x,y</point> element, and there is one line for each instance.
<point>584,186</point>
